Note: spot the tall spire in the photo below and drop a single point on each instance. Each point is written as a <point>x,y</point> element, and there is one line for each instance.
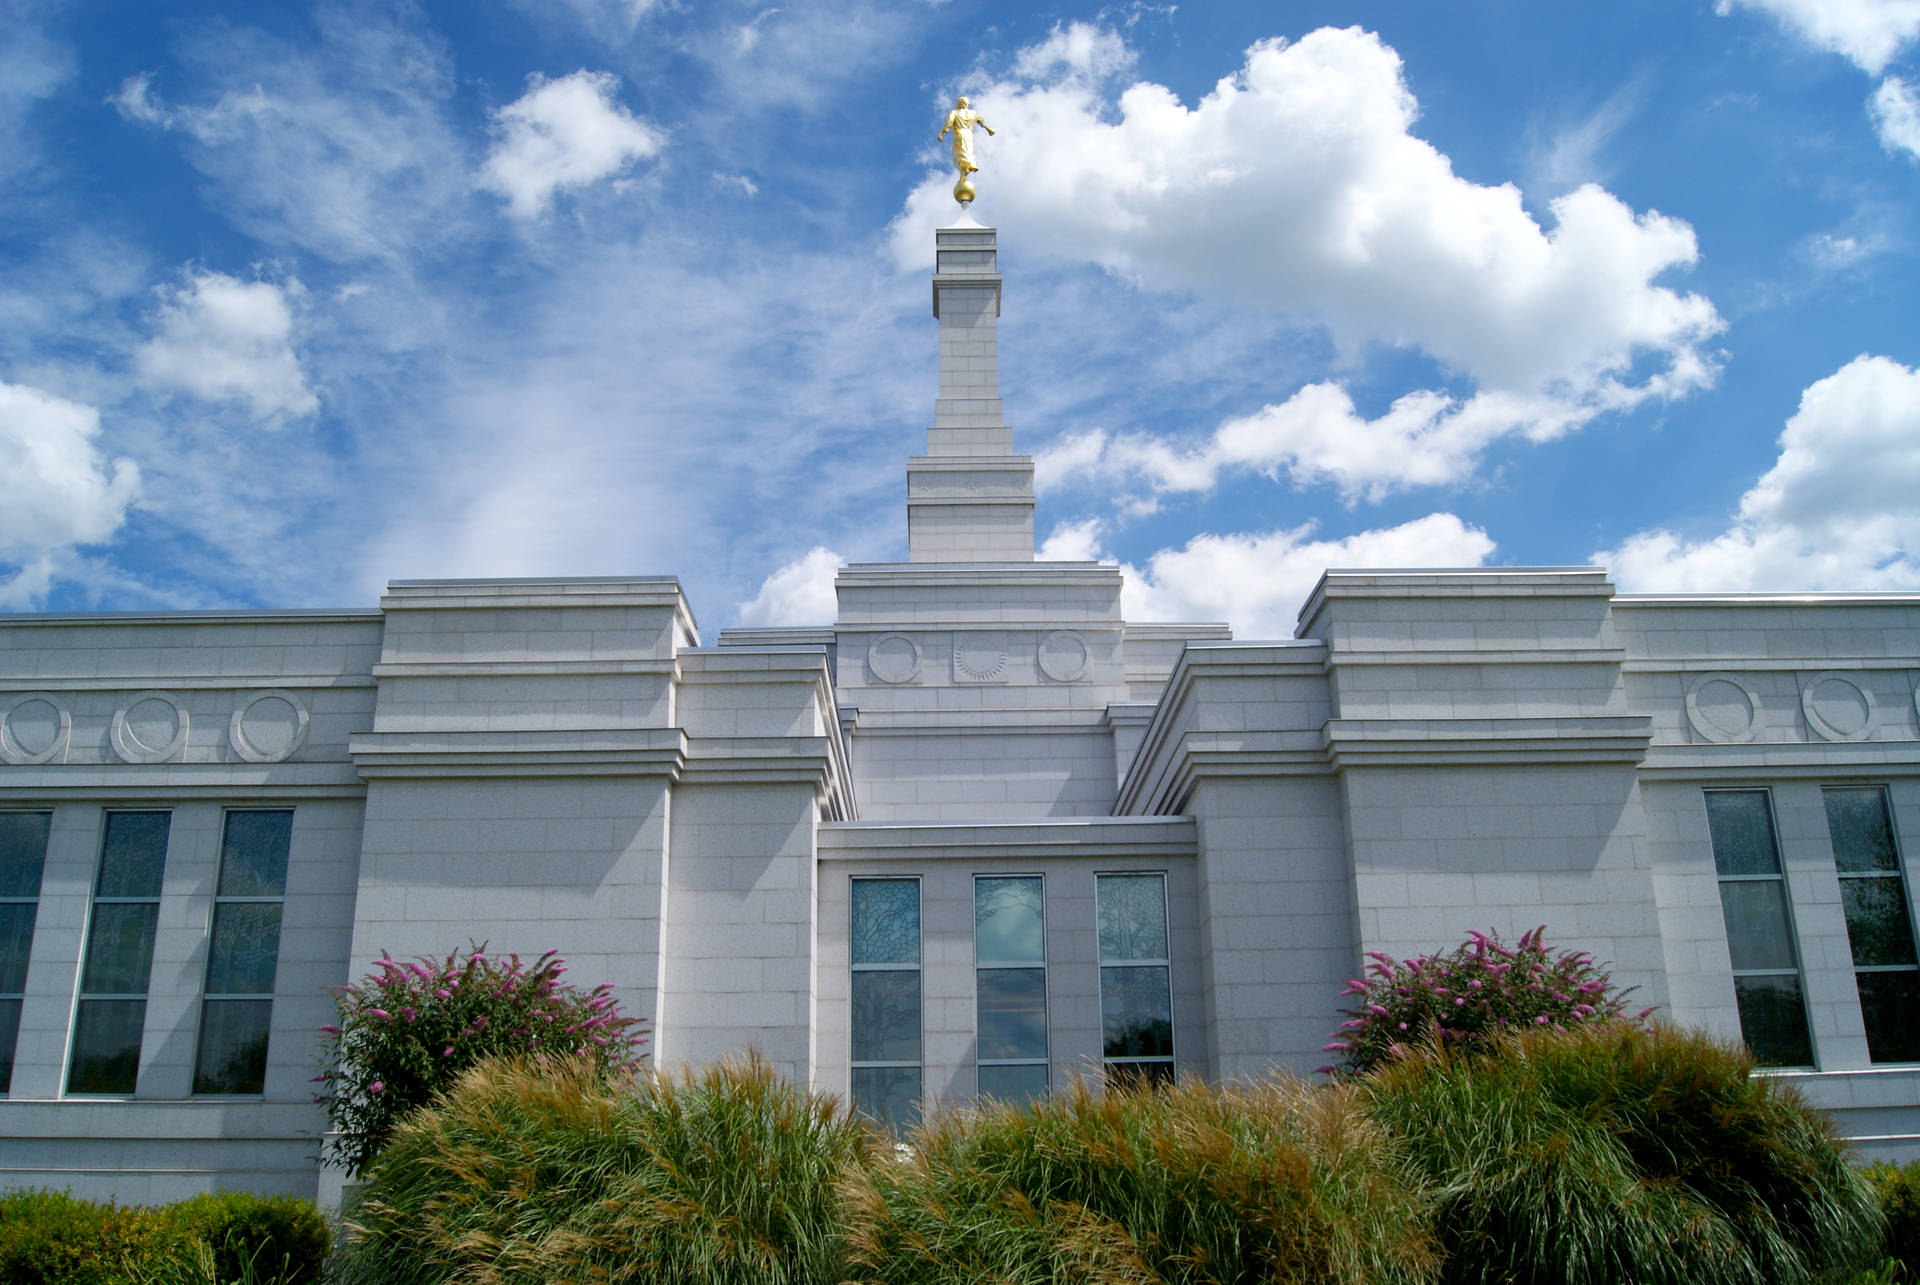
<point>969,498</point>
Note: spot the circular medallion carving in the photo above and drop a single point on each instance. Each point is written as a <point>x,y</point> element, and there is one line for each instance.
<point>1837,707</point>
<point>894,658</point>
<point>1723,709</point>
<point>34,728</point>
<point>149,727</point>
<point>1064,656</point>
<point>978,658</point>
<point>268,727</point>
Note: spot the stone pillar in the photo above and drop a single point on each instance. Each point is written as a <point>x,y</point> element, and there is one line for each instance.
<point>969,498</point>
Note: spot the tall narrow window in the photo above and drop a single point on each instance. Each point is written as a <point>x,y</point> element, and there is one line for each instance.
<point>244,953</point>
<point>1136,995</point>
<point>1010,979</point>
<point>23,855</point>
<point>113,976</point>
<point>884,919</point>
<point>1753,901</point>
<point>1873,890</point>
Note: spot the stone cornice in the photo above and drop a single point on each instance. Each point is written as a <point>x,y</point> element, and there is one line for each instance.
<point>1862,760</point>
<point>1165,838</point>
<point>610,752</point>
<point>1464,582</point>
<point>1486,742</point>
<point>1340,656</point>
<point>139,781</point>
<point>518,668</point>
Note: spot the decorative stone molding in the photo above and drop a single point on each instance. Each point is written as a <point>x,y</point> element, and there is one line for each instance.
<point>268,727</point>
<point>1837,707</point>
<point>894,658</point>
<point>34,728</point>
<point>149,727</point>
<point>979,658</point>
<point>1723,708</point>
<point>1063,656</point>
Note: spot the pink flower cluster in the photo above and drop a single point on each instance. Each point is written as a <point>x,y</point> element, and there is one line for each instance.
<point>1468,995</point>
<point>408,1028</point>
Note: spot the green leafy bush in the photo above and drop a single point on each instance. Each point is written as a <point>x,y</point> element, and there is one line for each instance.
<point>1607,1153</point>
<point>1269,1182</point>
<point>278,1238</point>
<point>409,1029</point>
<point>540,1173</point>
<point>1468,996</point>
<point>1899,1190</point>
<point>52,1238</point>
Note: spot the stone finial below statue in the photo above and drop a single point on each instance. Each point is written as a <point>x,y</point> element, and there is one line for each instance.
<point>961,121</point>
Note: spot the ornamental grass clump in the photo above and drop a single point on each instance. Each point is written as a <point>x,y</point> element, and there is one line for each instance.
<point>1469,995</point>
<point>541,1173</point>
<point>410,1028</point>
<point>1268,1182</point>
<point>1606,1152</point>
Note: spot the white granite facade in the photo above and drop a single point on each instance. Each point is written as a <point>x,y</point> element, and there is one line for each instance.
<point>562,763</point>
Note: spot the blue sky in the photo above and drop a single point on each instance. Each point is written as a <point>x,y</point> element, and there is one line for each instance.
<point>298,299</point>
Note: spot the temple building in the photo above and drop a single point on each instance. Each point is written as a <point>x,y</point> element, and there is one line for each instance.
<point>978,836</point>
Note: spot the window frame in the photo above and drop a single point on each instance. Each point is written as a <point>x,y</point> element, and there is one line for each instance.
<point>1170,1059</point>
<point>1779,875</point>
<point>19,998</point>
<point>82,996</point>
<point>1898,874</point>
<point>917,968</point>
<point>1045,1060</point>
<point>208,996</point>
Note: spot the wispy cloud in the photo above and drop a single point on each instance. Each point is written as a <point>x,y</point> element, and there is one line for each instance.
<point>340,147</point>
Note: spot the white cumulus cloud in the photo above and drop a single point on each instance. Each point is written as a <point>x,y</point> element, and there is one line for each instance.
<point>562,134</point>
<point>1895,107</point>
<point>1296,184</point>
<point>800,593</point>
<point>1839,510</point>
<point>1072,542</point>
<point>1257,580</point>
<point>1315,436</point>
<point>223,339</point>
<point>1869,32</point>
<point>59,491</point>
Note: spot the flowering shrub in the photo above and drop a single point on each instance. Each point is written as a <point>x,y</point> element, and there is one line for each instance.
<point>408,1030</point>
<point>1469,995</point>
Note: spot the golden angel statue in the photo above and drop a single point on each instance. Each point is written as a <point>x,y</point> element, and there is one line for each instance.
<point>961,121</point>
